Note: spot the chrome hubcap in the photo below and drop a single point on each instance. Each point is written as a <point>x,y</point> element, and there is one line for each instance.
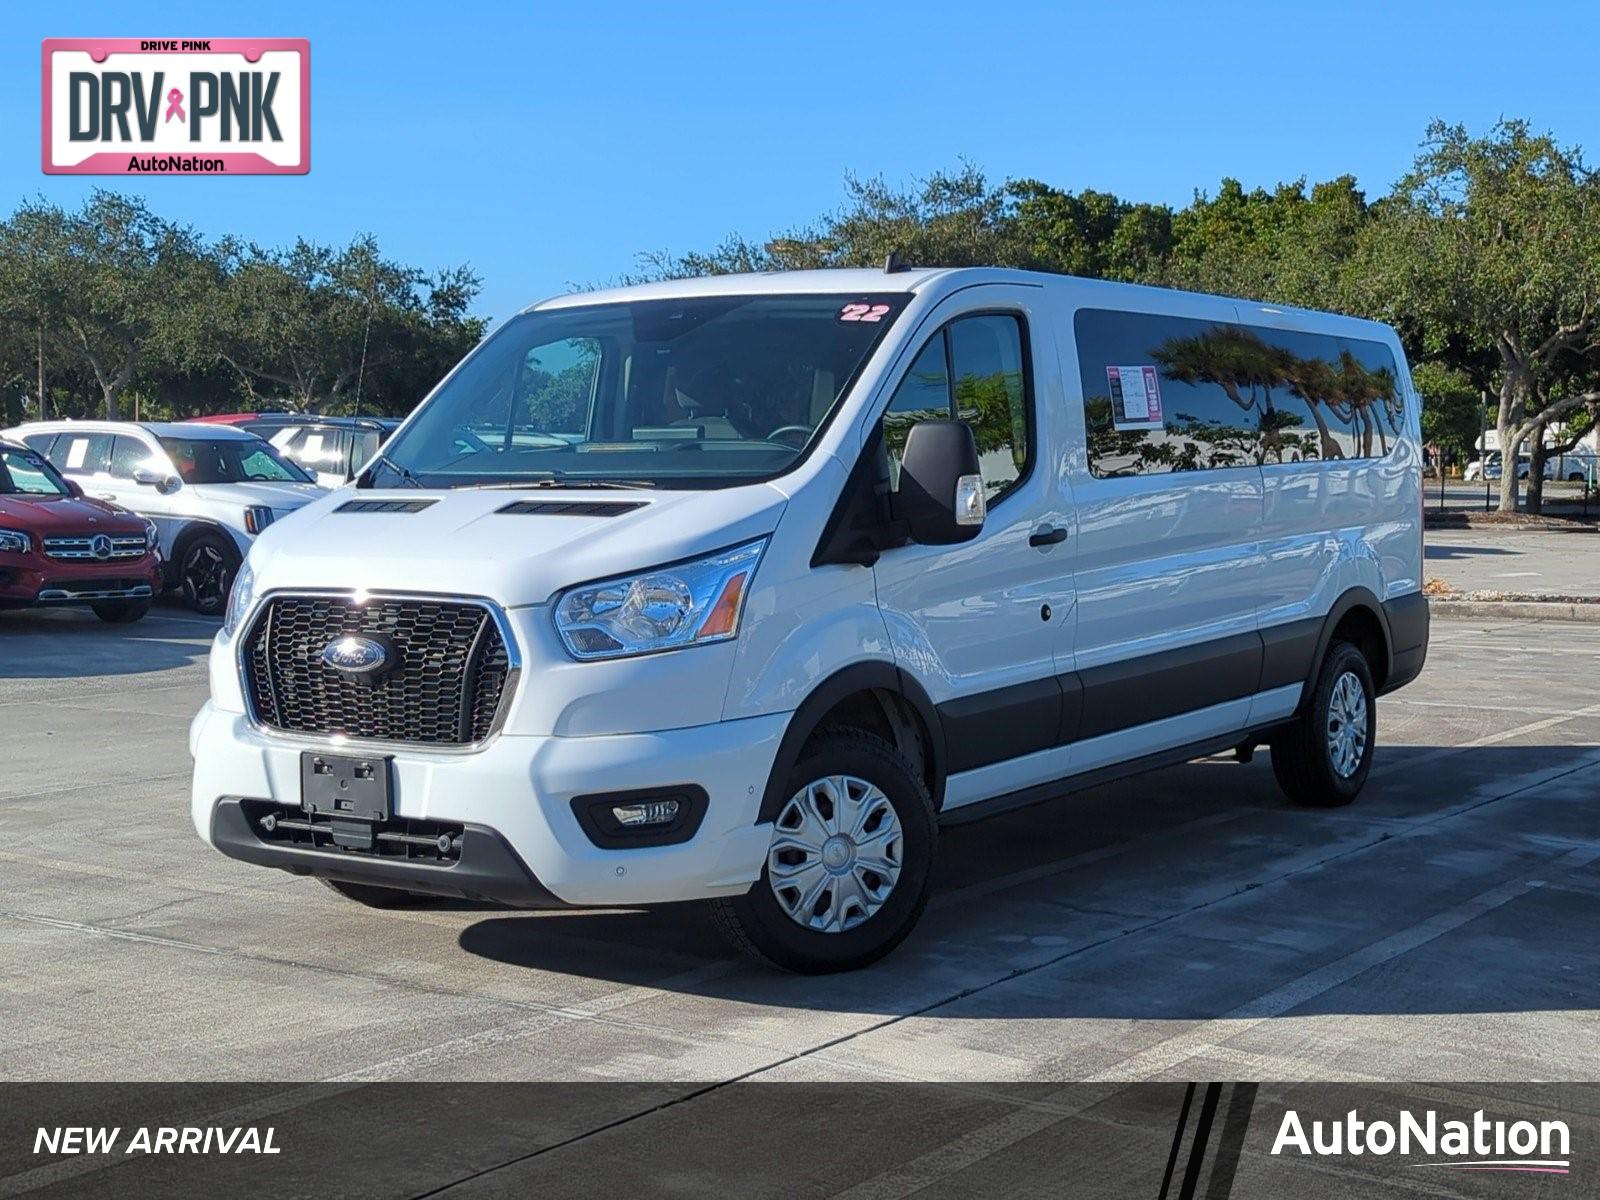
<point>836,853</point>
<point>1347,725</point>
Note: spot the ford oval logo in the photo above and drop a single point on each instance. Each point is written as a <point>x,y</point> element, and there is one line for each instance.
<point>356,655</point>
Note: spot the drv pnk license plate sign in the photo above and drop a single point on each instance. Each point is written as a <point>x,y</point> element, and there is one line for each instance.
<point>175,106</point>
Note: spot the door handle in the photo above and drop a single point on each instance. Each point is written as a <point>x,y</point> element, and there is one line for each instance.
<point>105,495</point>
<point>1047,535</point>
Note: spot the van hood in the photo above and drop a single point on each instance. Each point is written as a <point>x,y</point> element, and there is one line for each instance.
<point>280,497</point>
<point>51,515</point>
<point>465,543</point>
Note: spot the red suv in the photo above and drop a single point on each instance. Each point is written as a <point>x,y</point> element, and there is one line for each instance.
<point>58,548</point>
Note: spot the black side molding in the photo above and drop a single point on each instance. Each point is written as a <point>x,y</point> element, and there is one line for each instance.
<point>1408,637</point>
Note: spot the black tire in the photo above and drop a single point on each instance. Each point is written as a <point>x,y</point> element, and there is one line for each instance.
<point>1303,759</point>
<point>120,612</point>
<point>758,921</point>
<point>206,568</point>
<point>378,897</point>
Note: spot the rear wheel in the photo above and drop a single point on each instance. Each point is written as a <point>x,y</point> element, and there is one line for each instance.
<point>121,612</point>
<point>1322,759</point>
<point>378,897</point>
<point>205,572</point>
<point>848,871</point>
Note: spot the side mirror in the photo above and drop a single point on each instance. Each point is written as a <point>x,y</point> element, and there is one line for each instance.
<point>74,488</point>
<point>145,477</point>
<point>168,484</point>
<point>940,497</point>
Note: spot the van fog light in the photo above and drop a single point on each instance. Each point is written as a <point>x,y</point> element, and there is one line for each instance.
<point>639,816</point>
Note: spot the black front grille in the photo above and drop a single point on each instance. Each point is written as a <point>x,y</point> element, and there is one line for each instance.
<point>445,685</point>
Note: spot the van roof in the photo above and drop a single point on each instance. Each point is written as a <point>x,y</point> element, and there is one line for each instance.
<point>847,281</point>
<point>856,280</point>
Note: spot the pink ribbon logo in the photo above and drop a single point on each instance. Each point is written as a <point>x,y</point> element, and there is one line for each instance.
<point>175,106</point>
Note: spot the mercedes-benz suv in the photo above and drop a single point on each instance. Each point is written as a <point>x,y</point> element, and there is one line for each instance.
<point>56,547</point>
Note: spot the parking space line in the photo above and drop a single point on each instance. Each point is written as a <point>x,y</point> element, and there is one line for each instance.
<point>1522,783</point>
<point>1201,1039</point>
<point>1488,739</point>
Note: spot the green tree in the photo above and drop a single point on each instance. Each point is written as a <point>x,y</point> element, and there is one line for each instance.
<point>120,278</point>
<point>1494,242</point>
<point>325,329</point>
<point>1452,411</point>
<point>1286,246</point>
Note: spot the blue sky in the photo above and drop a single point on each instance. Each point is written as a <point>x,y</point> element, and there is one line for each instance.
<point>548,144</point>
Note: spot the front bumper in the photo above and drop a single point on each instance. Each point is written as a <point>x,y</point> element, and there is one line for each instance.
<point>521,842</point>
<point>34,579</point>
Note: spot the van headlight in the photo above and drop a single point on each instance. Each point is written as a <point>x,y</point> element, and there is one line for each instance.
<point>686,604</point>
<point>239,597</point>
<point>15,541</point>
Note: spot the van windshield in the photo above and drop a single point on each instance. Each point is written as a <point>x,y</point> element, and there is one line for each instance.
<point>698,392</point>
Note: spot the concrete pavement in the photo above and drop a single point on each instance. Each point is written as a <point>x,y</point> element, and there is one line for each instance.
<point>1517,562</point>
<point>1184,924</point>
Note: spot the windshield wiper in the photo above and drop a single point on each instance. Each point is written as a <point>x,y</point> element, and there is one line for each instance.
<point>404,473</point>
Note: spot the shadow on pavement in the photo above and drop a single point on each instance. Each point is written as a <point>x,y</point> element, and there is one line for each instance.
<point>72,643</point>
<point>1433,550</point>
<point>1187,914</point>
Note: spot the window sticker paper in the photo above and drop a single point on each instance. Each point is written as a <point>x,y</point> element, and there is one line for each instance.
<point>1135,397</point>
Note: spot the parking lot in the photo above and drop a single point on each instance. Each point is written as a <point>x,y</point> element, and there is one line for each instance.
<point>1182,925</point>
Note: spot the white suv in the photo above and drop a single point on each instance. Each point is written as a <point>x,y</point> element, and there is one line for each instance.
<point>209,489</point>
<point>738,588</point>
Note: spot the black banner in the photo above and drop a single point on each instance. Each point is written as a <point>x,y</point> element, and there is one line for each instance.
<point>868,1140</point>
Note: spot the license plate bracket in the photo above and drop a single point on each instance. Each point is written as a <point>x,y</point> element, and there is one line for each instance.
<point>345,786</point>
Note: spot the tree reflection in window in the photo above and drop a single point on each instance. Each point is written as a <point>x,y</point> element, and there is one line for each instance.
<point>1236,395</point>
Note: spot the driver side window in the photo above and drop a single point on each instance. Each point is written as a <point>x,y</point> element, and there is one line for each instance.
<point>555,387</point>
<point>972,369</point>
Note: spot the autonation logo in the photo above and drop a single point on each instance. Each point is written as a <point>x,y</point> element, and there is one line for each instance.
<point>1480,1144</point>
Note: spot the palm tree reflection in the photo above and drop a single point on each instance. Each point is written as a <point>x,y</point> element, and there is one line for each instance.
<point>1274,390</point>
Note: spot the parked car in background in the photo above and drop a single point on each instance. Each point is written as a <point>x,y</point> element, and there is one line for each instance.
<point>209,489</point>
<point>334,449</point>
<point>1574,466</point>
<point>56,547</point>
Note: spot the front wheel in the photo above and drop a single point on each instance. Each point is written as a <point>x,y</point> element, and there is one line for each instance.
<point>1323,758</point>
<point>205,573</point>
<point>850,863</point>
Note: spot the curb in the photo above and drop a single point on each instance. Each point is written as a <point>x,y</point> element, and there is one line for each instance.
<point>1536,610</point>
<point>1497,527</point>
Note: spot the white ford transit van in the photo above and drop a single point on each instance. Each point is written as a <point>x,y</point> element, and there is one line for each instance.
<point>738,588</point>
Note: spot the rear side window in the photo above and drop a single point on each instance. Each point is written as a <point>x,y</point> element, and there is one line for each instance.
<point>974,369</point>
<point>1176,394</point>
<point>81,453</point>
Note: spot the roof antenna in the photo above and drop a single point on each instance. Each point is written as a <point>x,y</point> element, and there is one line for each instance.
<point>892,264</point>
